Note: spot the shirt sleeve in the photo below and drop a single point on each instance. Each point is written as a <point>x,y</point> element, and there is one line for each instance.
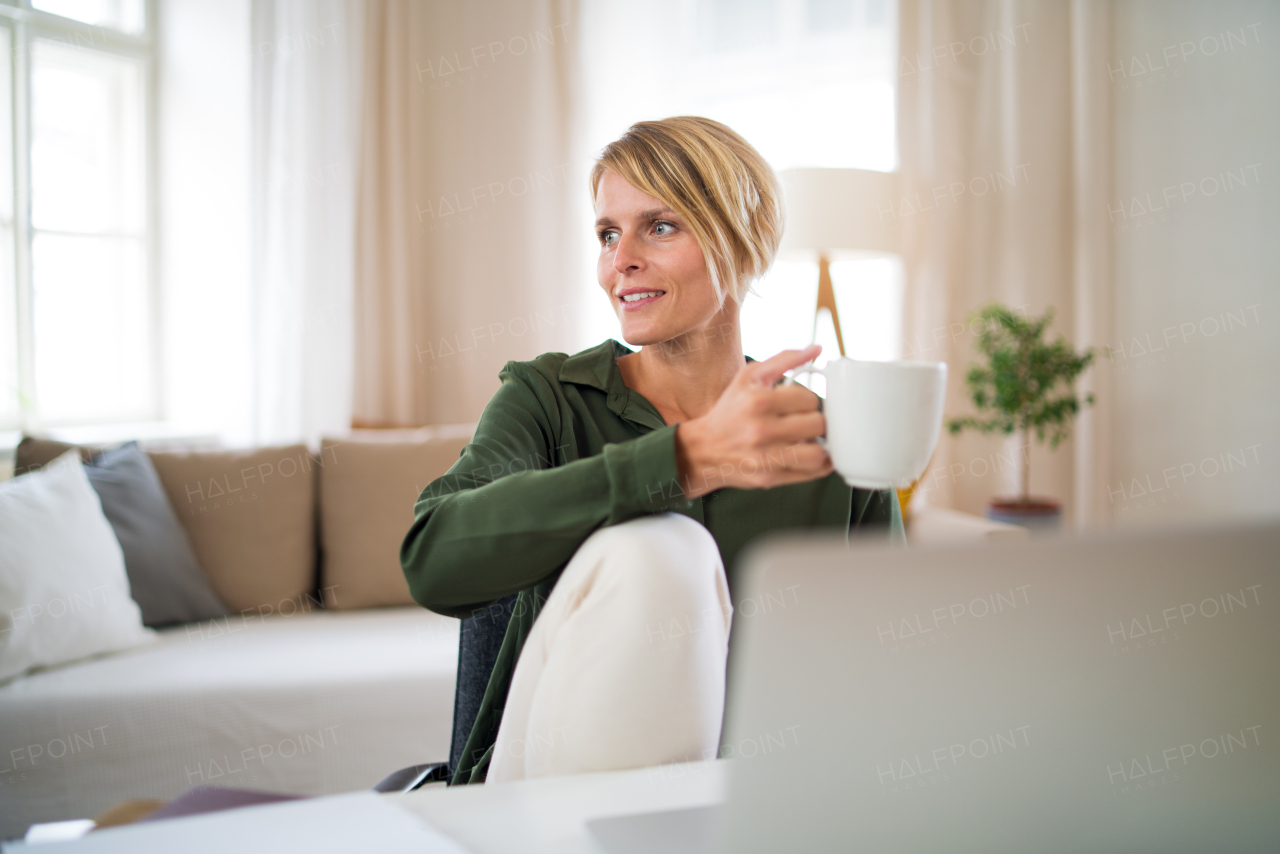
<point>510,512</point>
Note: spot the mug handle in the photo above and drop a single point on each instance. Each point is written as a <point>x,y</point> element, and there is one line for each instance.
<point>790,378</point>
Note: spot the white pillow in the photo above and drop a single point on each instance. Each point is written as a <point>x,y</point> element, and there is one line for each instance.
<point>64,594</point>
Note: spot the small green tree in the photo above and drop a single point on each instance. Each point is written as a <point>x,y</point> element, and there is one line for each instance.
<point>1026,384</point>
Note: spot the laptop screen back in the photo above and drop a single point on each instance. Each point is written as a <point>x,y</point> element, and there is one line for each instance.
<point>1117,694</point>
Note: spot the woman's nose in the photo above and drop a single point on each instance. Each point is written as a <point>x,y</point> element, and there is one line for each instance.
<point>627,255</point>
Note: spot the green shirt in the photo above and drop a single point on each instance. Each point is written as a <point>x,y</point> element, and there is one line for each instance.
<point>562,449</point>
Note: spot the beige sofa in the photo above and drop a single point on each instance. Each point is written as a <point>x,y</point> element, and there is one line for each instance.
<point>324,677</point>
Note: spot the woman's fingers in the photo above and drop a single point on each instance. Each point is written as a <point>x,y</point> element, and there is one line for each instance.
<point>804,457</point>
<point>771,370</point>
<point>794,464</point>
<point>795,428</point>
<point>785,400</point>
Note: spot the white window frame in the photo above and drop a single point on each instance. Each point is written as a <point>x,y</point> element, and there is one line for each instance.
<point>25,25</point>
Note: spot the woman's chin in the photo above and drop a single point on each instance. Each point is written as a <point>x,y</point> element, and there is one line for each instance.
<point>641,336</point>
<point>637,341</point>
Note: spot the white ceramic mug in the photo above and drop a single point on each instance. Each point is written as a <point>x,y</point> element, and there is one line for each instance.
<point>883,419</point>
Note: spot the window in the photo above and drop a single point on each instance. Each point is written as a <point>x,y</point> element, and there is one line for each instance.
<point>128,16</point>
<point>808,83</point>
<point>75,214</point>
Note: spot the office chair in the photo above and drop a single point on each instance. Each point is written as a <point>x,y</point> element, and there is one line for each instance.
<point>479,640</point>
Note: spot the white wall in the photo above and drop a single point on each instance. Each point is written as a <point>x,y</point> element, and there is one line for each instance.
<point>1197,276</point>
<point>204,216</point>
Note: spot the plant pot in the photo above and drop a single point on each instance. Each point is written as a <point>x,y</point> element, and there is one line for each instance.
<point>1037,514</point>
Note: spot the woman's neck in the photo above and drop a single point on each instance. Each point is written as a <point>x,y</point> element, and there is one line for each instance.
<point>685,376</point>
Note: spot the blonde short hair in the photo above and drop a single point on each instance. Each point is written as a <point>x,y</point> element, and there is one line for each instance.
<point>716,181</point>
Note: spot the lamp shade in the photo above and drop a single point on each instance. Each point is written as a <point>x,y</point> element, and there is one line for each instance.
<point>834,212</point>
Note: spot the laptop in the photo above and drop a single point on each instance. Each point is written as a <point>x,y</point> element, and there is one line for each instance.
<point>1112,693</point>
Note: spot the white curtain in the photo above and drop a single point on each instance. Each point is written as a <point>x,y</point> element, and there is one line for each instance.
<point>1004,128</point>
<point>388,295</point>
<point>467,255</point>
<point>306,81</point>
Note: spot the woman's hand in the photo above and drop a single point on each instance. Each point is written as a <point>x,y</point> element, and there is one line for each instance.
<point>756,436</point>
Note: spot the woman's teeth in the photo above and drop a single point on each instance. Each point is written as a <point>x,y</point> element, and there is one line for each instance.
<point>645,295</point>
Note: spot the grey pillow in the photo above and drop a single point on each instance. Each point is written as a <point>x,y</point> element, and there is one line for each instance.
<point>164,577</point>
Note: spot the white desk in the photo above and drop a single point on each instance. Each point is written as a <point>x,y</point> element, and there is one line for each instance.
<point>550,814</point>
<point>930,525</point>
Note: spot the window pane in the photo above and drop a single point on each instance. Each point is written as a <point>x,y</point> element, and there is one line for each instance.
<point>127,15</point>
<point>737,24</point>
<point>869,298</point>
<point>807,82</point>
<point>824,16</point>
<point>9,401</point>
<point>87,141</point>
<point>6,126</point>
<point>92,335</point>
<point>779,316</point>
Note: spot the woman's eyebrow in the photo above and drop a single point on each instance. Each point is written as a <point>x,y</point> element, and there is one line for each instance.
<point>645,216</point>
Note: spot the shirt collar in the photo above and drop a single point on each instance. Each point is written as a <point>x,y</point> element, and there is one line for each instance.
<point>598,367</point>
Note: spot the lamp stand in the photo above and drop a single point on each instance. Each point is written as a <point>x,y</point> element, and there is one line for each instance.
<point>827,300</point>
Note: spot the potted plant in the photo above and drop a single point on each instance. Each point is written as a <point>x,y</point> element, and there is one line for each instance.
<point>1026,385</point>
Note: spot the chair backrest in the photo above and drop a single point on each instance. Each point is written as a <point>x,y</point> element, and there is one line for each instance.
<point>479,640</point>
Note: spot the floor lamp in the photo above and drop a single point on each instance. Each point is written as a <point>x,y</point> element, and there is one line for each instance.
<point>838,213</point>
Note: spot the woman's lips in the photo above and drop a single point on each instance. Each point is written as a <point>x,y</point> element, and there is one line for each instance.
<point>640,303</point>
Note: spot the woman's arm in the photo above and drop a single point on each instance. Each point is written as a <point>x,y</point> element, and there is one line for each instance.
<point>505,516</point>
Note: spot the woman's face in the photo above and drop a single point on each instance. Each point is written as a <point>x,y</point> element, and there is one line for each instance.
<point>650,265</point>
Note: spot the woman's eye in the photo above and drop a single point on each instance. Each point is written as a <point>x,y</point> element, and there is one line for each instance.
<point>662,229</point>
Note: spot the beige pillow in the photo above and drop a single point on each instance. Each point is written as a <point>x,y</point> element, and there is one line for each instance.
<point>251,519</point>
<point>33,453</point>
<point>367,492</point>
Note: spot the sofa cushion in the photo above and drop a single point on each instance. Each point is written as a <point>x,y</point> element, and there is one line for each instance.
<point>312,704</point>
<point>164,577</point>
<point>64,594</point>
<point>33,453</point>
<point>251,519</point>
<point>367,492</point>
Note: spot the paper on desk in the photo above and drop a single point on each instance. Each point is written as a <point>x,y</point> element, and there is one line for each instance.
<point>362,821</point>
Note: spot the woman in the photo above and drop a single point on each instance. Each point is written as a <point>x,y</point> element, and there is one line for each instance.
<point>612,487</point>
